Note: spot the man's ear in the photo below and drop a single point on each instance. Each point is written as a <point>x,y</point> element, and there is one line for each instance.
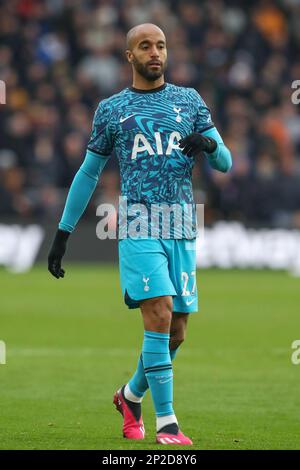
<point>129,55</point>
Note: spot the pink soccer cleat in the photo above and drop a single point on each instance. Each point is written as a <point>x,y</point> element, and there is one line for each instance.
<point>133,426</point>
<point>178,439</point>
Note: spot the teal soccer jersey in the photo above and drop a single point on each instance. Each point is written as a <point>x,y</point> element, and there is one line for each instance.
<point>144,128</point>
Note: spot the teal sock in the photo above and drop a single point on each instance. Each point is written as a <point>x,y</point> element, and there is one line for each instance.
<point>173,353</point>
<point>138,384</point>
<point>158,371</point>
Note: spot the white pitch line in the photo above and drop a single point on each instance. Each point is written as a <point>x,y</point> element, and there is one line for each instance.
<point>34,352</point>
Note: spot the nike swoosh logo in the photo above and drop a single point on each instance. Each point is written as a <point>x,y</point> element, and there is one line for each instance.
<point>125,119</point>
<point>165,381</point>
<point>189,302</point>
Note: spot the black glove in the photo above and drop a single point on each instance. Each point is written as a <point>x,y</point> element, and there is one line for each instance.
<point>57,251</point>
<point>195,143</point>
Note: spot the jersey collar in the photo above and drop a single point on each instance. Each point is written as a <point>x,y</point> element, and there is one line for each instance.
<point>154,90</point>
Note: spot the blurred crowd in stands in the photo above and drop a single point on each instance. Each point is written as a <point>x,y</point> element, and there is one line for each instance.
<point>58,58</point>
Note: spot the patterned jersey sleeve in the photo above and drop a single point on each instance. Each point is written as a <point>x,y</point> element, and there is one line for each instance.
<point>101,140</point>
<point>203,119</point>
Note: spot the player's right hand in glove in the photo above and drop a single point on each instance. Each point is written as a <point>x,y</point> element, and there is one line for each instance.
<point>57,252</point>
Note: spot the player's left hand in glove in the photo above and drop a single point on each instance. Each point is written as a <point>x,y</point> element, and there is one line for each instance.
<point>195,143</point>
<point>57,252</point>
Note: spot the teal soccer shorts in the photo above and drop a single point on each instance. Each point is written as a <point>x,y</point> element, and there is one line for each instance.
<point>156,267</point>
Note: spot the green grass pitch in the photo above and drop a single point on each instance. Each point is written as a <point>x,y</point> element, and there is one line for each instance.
<point>71,343</point>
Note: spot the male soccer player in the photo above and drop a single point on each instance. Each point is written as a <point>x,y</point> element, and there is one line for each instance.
<point>157,130</point>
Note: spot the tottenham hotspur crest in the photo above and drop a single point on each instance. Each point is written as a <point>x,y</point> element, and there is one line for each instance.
<point>146,280</point>
<point>177,110</point>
